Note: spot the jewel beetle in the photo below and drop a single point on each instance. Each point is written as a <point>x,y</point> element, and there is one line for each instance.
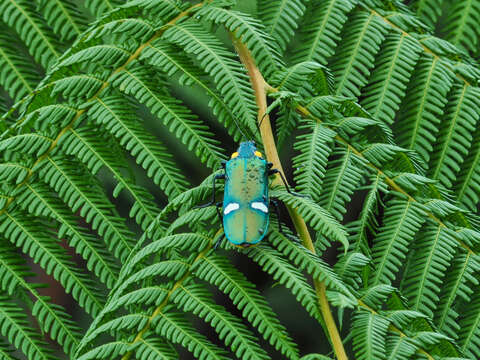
<point>246,204</point>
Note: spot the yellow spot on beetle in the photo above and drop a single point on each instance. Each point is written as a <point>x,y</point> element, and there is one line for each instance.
<point>234,155</point>
<point>258,153</point>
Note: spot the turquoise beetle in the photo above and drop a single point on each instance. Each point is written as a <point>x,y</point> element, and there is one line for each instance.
<point>245,206</point>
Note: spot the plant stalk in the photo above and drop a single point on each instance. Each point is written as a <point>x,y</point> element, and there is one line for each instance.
<point>260,88</point>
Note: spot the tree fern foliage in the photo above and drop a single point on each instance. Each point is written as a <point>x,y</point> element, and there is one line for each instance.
<point>116,116</point>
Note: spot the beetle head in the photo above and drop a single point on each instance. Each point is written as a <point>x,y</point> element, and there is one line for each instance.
<point>247,149</point>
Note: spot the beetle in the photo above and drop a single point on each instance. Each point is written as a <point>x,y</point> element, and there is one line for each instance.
<point>245,206</point>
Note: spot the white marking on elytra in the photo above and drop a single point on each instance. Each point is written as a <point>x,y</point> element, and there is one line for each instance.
<point>260,206</point>
<point>231,207</point>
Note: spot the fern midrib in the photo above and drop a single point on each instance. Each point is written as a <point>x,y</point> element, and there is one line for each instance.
<point>366,214</point>
<point>26,335</point>
<point>117,176</point>
<point>279,11</point>
<point>99,211</point>
<point>353,54</point>
<point>388,79</point>
<point>35,26</point>
<point>155,350</point>
<point>472,331</point>
<point>233,329</point>
<point>453,294</point>
<point>467,179</point>
<point>450,133</point>
<point>14,68</point>
<point>393,239</point>
<point>418,117</point>
<point>68,16</point>
<point>65,268</point>
<point>340,176</point>
<point>459,29</point>
<point>426,267</point>
<point>321,29</point>
<point>146,148</point>
<point>85,242</point>
<point>40,299</point>
<point>393,352</point>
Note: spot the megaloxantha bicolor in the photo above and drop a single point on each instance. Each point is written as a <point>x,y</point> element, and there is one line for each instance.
<point>246,204</point>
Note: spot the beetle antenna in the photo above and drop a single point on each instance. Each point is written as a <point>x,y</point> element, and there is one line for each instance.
<point>245,137</point>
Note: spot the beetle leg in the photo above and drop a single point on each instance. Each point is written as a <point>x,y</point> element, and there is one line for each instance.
<point>212,202</point>
<point>217,243</point>
<point>287,187</point>
<point>218,206</point>
<point>274,202</point>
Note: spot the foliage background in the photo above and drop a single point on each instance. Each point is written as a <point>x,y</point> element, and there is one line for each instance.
<point>453,21</point>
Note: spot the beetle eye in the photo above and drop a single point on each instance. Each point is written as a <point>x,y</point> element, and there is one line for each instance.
<point>234,155</point>
<point>258,153</point>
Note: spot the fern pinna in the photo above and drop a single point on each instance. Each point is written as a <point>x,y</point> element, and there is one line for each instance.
<point>111,106</point>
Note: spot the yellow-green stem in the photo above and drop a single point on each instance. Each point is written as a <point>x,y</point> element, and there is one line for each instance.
<point>260,89</point>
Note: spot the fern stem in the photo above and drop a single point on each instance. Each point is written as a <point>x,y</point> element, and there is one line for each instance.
<point>260,88</point>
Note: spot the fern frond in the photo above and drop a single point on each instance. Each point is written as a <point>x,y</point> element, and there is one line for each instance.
<point>393,68</point>
<point>107,350</point>
<point>77,190</point>
<point>342,177</point>
<point>400,347</point>
<point>32,237</point>
<point>51,317</point>
<point>107,55</point>
<point>18,75</point>
<point>64,17</point>
<point>176,329</point>
<point>93,151</point>
<point>165,57</point>
<point>310,164</point>
<point>250,32</point>
<point>99,7</point>
<point>428,11</point>
<point>37,200</point>
<point>461,25</point>
<point>320,33</point>
<point>419,119</point>
<point>33,144</point>
<point>309,262</point>
<point>369,332</point>
<point>153,348</point>
<point>466,183</point>
<point>180,121</point>
<point>218,271</point>
<point>230,78</point>
<point>195,299</point>
<point>281,18</point>
<point>13,173</point>
<point>454,140</point>
<point>286,274</point>
<point>75,87</point>
<point>118,118</point>
<point>434,249</point>
<point>15,327</point>
<point>21,16</point>
<point>355,59</point>
<point>401,222</point>
<point>319,218</point>
<point>367,223</point>
<point>469,335</point>
<point>457,286</point>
